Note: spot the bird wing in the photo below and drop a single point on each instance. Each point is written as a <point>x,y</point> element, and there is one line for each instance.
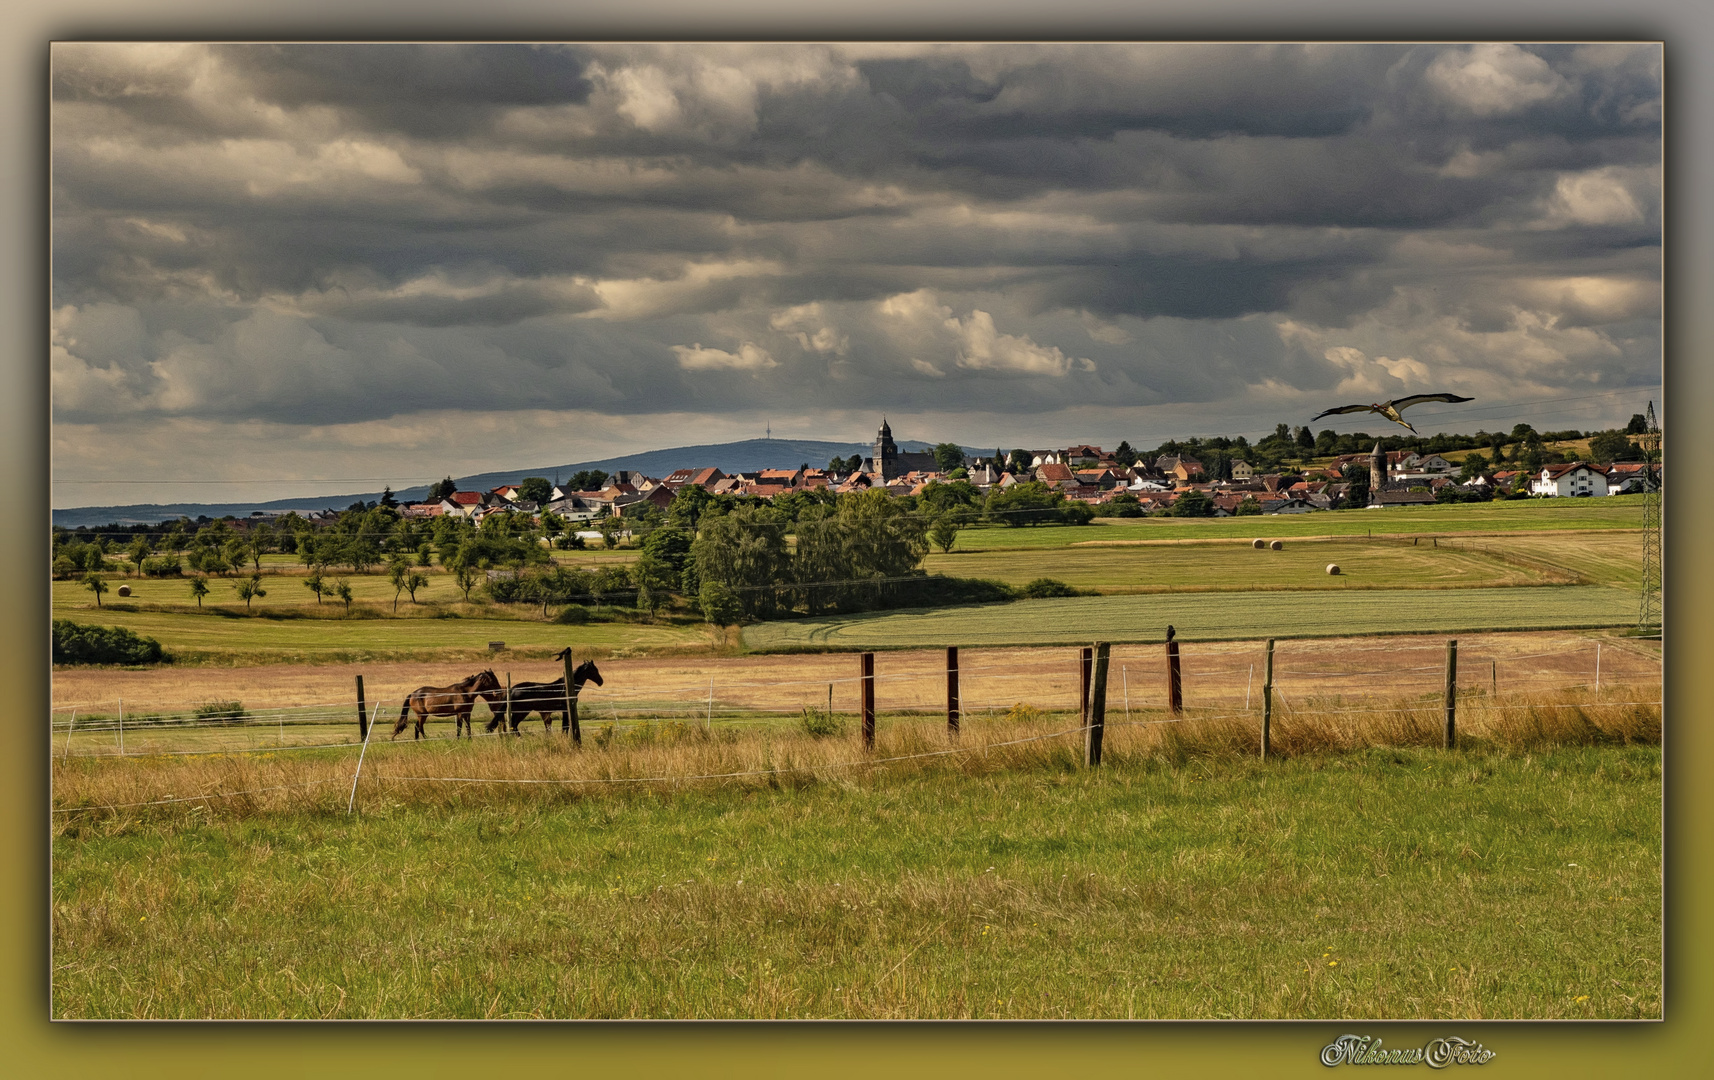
<point>1342,409</point>
<point>1407,402</point>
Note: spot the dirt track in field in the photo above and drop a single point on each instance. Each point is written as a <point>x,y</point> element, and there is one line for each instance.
<point>990,679</point>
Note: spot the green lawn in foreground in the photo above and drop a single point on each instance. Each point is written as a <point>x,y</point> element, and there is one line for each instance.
<point>1613,512</point>
<point>1392,883</point>
<point>1208,617</point>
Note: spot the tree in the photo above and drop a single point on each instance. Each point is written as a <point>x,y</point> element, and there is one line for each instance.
<point>720,605</point>
<point>689,503</point>
<point>587,480</point>
<point>948,456</point>
<point>746,552</point>
<point>342,590</point>
<point>1192,503</point>
<point>1125,455</point>
<point>95,584</point>
<point>943,533</point>
<point>259,542</point>
<point>1357,491</point>
<point>466,576</point>
<point>397,571</point>
<point>1305,441</point>
<point>315,584</point>
<point>414,580</point>
<point>1029,503</point>
<point>139,551</point>
<point>1474,465</point>
<point>198,587</point>
<point>536,489</point>
<point>1639,425</point>
<point>1125,505</point>
<point>1610,446</point>
<point>249,589</point>
<point>1248,507</point>
<point>1018,462</point>
<point>443,490</point>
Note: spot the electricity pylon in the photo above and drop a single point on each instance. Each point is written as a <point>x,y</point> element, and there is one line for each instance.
<point>1650,614</point>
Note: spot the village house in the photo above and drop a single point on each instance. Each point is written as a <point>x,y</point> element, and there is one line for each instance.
<point>1571,479</point>
<point>1631,477</point>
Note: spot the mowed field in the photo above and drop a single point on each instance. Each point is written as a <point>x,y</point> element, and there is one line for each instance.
<point>1208,617</point>
<point>1234,565</point>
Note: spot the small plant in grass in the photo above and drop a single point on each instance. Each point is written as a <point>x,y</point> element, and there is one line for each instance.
<point>820,723</point>
<point>1023,713</point>
<point>221,712</point>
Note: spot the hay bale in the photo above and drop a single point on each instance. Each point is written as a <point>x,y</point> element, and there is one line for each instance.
<point>124,590</point>
<point>1277,545</point>
<point>1258,544</point>
<point>1333,569</point>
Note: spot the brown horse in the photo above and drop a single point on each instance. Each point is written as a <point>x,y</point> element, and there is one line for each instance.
<point>457,700</point>
<point>548,698</point>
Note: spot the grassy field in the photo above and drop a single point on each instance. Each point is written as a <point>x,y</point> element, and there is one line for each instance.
<point>1207,617</point>
<point>1513,879</point>
<point>1526,515</point>
<point>1235,565</point>
<point>231,638</point>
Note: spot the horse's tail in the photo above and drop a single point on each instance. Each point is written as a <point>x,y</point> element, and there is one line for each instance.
<point>404,717</point>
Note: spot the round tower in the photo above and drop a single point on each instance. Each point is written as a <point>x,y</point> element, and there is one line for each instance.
<point>1377,472</point>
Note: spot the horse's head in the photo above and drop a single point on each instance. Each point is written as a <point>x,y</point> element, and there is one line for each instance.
<point>487,680</point>
<point>587,672</point>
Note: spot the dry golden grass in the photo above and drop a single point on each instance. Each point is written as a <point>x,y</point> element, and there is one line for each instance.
<point>616,759</point>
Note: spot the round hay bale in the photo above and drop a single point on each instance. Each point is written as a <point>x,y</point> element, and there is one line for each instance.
<point>1277,545</point>
<point>1333,569</point>
<point>124,590</point>
<point>1258,544</point>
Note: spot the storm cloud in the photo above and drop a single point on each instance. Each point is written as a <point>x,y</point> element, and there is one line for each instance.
<point>1053,243</point>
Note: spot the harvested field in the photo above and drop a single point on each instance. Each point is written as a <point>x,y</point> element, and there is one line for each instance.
<point>758,689</point>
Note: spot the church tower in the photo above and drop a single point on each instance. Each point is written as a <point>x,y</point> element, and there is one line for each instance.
<point>886,459</point>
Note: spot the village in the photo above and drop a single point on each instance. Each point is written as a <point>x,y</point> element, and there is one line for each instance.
<point>1082,474</point>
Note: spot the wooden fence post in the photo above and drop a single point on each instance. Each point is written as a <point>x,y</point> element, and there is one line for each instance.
<point>1085,664</point>
<point>1268,702</point>
<point>571,706</point>
<point>1097,706</point>
<point>1174,677</point>
<point>1451,693</point>
<point>952,692</point>
<point>867,668</point>
<point>362,713</point>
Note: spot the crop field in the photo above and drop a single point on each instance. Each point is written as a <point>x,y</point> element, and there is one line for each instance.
<point>1208,617</point>
<point>291,704</point>
<point>1236,566</point>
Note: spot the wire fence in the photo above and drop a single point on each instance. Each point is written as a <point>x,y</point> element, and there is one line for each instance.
<point>758,693</point>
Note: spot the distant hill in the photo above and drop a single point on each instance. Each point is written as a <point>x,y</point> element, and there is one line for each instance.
<point>746,456</point>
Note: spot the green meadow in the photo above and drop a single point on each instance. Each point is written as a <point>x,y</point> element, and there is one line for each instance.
<point>1390,883</point>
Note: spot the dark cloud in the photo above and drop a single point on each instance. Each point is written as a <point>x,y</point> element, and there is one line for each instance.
<point>335,234</point>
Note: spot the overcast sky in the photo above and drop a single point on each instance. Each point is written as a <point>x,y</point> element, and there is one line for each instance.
<point>287,264</point>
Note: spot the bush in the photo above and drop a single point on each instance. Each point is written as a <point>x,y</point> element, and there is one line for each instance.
<point>572,614</point>
<point>1044,588</point>
<point>820,723</point>
<point>76,644</point>
<point>938,590</point>
<point>163,566</point>
<point>222,712</point>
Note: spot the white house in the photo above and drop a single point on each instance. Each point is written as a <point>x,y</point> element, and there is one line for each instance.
<point>1576,478</point>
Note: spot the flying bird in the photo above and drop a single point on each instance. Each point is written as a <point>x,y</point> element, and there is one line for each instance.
<point>1391,409</point>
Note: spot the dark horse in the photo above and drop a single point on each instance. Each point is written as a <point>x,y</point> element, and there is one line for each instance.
<point>456,700</point>
<point>548,698</point>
